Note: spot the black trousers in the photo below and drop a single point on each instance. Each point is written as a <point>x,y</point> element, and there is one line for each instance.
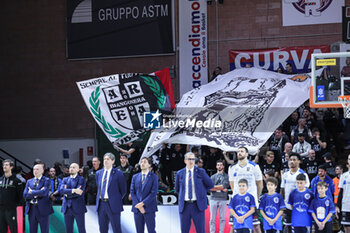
<point>8,218</point>
<point>91,199</point>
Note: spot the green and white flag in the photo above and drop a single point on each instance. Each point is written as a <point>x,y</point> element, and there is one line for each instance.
<point>117,102</point>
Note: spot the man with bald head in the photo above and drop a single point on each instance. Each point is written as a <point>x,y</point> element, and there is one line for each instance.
<point>38,203</point>
<point>73,205</point>
<point>287,149</point>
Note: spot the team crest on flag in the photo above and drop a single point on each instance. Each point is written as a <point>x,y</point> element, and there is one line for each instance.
<point>118,103</point>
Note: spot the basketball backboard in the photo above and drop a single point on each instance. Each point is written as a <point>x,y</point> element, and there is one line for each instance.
<point>334,81</point>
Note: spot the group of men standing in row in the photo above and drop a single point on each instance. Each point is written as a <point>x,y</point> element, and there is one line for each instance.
<point>111,187</point>
<point>192,184</point>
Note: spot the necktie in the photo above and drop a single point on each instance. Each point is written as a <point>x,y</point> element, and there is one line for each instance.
<point>36,182</point>
<point>104,185</point>
<point>143,178</point>
<point>35,201</point>
<point>189,185</point>
<point>69,201</point>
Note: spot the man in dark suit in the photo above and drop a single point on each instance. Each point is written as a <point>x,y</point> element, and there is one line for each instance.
<point>192,184</point>
<point>111,187</point>
<point>73,205</point>
<point>143,190</point>
<point>38,203</point>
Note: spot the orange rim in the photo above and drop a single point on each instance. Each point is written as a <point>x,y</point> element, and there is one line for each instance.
<point>314,105</point>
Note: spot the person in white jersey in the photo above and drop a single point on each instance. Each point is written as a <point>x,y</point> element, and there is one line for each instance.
<point>343,203</point>
<point>245,169</point>
<point>289,183</point>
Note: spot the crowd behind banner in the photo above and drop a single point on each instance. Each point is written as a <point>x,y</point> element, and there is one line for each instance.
<point>314,134</point>
<point>317,136</point>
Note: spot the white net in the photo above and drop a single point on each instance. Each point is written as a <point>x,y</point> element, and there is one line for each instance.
<point>345,101</point>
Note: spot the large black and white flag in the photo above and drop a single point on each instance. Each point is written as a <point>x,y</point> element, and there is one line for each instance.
<point>240,108</point>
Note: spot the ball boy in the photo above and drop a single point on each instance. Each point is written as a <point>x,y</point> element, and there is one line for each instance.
<point>322,208</point>
<point>271,207</point>
<point>300,200</point>
<point>242,206</point>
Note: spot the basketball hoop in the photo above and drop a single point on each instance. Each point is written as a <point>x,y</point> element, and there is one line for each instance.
<point>345,101</point>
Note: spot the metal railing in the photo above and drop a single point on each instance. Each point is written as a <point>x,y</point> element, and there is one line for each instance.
<point>14,159</point>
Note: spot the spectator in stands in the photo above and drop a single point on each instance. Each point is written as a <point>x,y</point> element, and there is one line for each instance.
<point>301,129</point>
<point>285,166</point>
<point>161,185</point>
<point>310,164</point>
<point>289,69</point>
<point>268,164</point>
<point>195,151</point>
<point>309,117</point>
<point>132,153</point>
<point>302,147</point>
<point>279,70</point>
<point>276,142</point>
<point>322,176</point>
<point>291,123</point>
<point>89,164</point>
<point>267,175</point>
<point>91,182</point>
<point>329,165</point>
<point>165,166</point>
<point>217,71</point>
<point>84,172</point>
<point>319,114</point>
<point>19,171</point>
<point>339,171</point>
<point>210,160</point>
<point>55,187</point>
<point>345,71</point>
<point>335,130</point>
<point>230,157</point>
<point>200,162</point>
<point>177,157</point>
<point>65,173</point>
<point>127,172</point>
<point>58,168</point>
<point>318,144</point>
<point>288,147</point>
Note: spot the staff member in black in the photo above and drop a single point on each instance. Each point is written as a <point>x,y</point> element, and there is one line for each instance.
<point>11,190</point>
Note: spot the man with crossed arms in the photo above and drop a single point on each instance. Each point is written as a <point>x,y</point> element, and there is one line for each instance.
<point>73,205</point>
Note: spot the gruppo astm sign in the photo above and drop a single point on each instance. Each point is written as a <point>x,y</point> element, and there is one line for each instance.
<point>114,28</point>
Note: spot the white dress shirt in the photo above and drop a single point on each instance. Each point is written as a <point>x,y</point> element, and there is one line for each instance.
<point>108,175</point>
<point>194,198</point>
